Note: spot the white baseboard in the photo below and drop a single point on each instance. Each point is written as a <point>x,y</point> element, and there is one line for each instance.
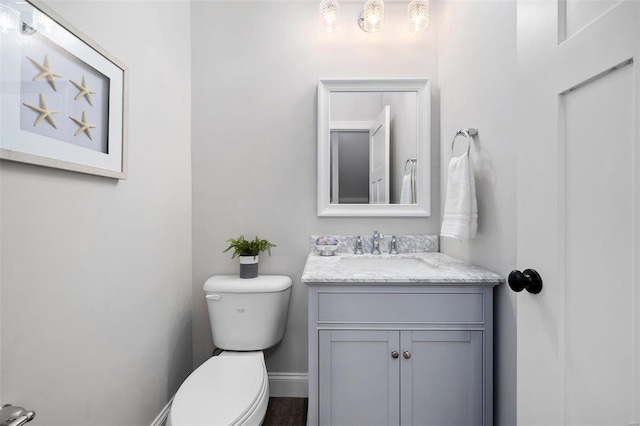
<point>161,419</point>
<point>294,385</point>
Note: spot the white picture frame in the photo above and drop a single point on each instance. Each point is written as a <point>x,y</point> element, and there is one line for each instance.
<point>64,99</point>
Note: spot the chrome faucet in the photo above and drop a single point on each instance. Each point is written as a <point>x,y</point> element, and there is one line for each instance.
<point>377,236</point>
<point>358,247</point>
<point>394,245</point>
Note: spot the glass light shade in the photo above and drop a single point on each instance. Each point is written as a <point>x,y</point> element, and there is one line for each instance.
<point>9,19</point>
<point>329,15</point>
<point>373,15</point>
<point>42,22</point>
<point>418,14</point>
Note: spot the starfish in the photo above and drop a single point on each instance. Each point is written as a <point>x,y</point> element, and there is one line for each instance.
<point>44,111</point>
<point>84,90</point>
<point>84,125</point>
<point>45,71</point>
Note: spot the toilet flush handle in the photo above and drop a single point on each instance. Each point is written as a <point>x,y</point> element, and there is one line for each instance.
<point>215,297</point>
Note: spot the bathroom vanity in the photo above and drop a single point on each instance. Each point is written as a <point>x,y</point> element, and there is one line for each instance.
<point>400,340</point>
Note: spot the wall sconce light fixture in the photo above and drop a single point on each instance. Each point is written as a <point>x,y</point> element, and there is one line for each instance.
<point>418,14</point>
<point>372,17</point>
<point>9,19</point>
<point>329,15</point>
<point>42,22</point>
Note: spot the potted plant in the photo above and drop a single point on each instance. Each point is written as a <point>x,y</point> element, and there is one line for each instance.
<point>248,253</point>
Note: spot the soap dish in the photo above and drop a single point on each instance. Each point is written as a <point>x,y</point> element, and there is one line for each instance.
<point>326,249</point>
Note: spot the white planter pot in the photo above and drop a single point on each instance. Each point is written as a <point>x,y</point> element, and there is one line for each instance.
<point>248,266</point>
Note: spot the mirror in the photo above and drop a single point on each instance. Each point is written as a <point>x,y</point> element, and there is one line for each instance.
<point>374,147</point>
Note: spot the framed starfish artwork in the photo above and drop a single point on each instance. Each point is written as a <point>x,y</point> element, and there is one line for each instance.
<point>63,100</point>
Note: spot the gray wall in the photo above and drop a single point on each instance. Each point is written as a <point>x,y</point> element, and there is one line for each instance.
<point>477,69</point>
<point>96,273</point>
<point>403,128</point>
<point>255,71</point>
<point>353,166</point>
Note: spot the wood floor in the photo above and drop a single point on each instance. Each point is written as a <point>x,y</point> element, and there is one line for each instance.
<point>286,412</point>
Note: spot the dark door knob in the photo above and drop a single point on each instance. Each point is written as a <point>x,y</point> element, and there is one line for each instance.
<point>529,280</point>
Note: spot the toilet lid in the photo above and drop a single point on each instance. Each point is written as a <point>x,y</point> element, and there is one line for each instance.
<point>220,391</point>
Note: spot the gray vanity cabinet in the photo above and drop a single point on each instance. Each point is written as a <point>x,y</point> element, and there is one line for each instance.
<point>358,378</point>
<point>400,355</point>
<point>441,383</point>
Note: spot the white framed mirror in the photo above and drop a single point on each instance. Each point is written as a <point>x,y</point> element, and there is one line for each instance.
<point>374,147</point>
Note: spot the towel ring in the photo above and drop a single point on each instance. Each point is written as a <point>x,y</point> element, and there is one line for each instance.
<point>412,162</point>
<point>467,133</point>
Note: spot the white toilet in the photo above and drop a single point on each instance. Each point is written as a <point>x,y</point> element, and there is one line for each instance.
<point>246,316</point>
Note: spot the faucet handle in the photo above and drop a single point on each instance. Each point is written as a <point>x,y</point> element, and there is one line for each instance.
<point>394,242</point>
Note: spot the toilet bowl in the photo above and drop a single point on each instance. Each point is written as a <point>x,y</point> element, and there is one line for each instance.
<point>229,389</point>
<point>232,389</point>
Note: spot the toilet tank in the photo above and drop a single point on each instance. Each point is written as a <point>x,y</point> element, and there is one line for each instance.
<point>247,314</point>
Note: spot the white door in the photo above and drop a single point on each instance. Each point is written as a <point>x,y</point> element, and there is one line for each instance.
<point>379,158</point>
<point>579,212</point>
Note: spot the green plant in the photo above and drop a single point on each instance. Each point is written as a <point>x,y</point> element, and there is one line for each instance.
<point>243,247</point>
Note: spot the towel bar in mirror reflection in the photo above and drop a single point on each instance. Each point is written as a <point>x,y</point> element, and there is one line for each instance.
<point>366,131</point>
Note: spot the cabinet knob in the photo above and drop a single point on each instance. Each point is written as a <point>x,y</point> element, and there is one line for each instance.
<point>395,354</point>
<point>406,354</point>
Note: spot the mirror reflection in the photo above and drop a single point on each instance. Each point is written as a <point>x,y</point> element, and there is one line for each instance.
<point>373,140</point>
<point>373,146</point>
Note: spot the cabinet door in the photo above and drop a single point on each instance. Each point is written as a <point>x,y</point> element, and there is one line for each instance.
<point>441,382</point>
<point>358,378</point>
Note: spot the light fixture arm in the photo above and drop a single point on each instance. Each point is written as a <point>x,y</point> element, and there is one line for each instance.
<point>361,22</point>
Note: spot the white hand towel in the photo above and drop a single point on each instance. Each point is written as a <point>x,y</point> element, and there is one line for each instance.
<point>460,219</point>
<point>405,194</point>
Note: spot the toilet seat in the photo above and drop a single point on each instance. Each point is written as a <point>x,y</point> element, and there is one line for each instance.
<point>230,389</point>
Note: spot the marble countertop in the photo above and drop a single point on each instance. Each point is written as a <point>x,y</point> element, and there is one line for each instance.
<point>433,268</point>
